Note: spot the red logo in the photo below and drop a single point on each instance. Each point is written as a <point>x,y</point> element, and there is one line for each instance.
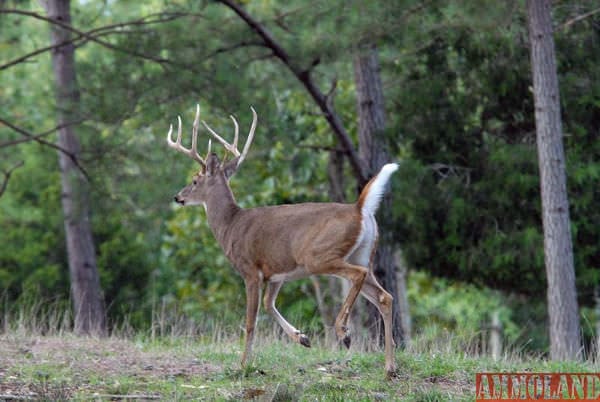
<point>537,387</point>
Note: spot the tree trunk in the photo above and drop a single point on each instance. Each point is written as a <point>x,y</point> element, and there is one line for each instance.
<point>87,298</point>
<point>404,310</point>
<point>372,149</point>
<point>565,343</point>
<point>597,339</point>
<point>335,176</point>
<point>339,287</point>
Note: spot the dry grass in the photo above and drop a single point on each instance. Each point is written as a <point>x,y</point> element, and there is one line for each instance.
<point>69,365</point>
<point>66,367</point>
<point>45,362</point>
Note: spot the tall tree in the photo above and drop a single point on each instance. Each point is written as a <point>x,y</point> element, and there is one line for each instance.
<point>565,341</point>
<point>88,301</point>
<point>372,148</point>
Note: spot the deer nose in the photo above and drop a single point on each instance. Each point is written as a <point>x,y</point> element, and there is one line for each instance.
<point>178,200</point>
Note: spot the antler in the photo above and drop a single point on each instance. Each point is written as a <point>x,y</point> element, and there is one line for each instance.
<point>233,147</point>
<point>193,152</point>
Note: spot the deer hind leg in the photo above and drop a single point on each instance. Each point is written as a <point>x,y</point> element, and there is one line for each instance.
<point>252,304</point>
<point>356,275</point>
<point>269,301</point>
<point>373,291</point>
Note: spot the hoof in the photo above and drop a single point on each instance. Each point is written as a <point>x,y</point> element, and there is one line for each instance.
<point>304,341</point>
<point>346,341</point>
<point>343,335</point>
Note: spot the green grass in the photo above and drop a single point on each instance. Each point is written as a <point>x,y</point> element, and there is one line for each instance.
<point>62,366</point>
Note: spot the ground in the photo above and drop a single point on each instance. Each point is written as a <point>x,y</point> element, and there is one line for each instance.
<point>67,367</point>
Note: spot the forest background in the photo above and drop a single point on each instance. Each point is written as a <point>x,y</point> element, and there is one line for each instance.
<point>465,213</point>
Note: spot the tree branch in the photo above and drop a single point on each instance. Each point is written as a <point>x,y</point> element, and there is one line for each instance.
<point>34,53</point>
<point>89,36</point>
<point>414,9</point>
<point>305,79</point>
<point>444,171</point>
<point>7,174</point>
<point>320,147</point>
<point>36,138</point>
<point>236,46</point>
<point>331,93</point>
<point>578,18</point>
<point>95,33</point>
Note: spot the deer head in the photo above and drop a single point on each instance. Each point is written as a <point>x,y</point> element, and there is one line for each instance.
<point>213,172</point>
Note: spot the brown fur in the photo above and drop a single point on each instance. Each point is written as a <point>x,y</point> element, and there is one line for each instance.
<point>364,193</point>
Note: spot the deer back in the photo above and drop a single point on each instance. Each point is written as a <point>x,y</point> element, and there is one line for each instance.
<point>281,239</point>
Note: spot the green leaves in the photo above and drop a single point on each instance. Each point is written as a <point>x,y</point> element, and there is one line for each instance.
<point>470,186</point>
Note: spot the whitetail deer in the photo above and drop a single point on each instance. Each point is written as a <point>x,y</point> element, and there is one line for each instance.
<point>273,244</point>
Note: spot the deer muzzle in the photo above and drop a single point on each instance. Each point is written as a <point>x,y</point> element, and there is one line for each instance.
<point>179,200</point>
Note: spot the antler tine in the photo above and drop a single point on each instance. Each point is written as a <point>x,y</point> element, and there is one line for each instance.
<point>169,140</point>
<point>227,145</point>
<point>250,136</point>
<point>193,152</point>
<point>195,131</point>
<point>237,131</point>
<point>179,130</point>
<point>174,144</point>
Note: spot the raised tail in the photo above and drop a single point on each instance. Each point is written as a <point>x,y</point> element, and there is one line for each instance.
<point>371,196</point>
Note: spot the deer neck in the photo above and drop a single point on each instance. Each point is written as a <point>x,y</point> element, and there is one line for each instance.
<point>220,210</point>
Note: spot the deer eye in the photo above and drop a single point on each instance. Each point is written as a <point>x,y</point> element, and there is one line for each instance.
<point>194,182</point>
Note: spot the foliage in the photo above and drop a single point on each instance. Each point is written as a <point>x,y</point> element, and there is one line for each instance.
<point>460,116</point>
<point>471,206</point>
<point>461,310</point>
<point>32,255</point>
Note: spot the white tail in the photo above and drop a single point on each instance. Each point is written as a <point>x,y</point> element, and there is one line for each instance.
<point>375,189</point>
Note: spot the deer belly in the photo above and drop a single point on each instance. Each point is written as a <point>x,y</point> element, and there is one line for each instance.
<point>297,273</point>
<point>360,253</point>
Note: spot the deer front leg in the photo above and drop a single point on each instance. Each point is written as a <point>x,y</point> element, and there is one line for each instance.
<point>269,302</point>
<point>252,304</point>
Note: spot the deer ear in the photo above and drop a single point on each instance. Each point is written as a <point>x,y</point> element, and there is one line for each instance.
<point>230,167</point>
<point>212,164</point>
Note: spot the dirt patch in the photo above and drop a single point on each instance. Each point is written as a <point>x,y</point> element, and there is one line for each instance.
<point>53,365</point>
<point>101,356</point>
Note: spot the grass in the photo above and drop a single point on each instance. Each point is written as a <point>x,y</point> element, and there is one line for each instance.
<point>61,366</point>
